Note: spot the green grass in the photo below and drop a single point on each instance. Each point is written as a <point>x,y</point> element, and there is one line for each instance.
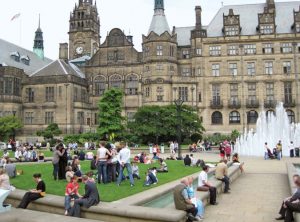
<point>108,192</point>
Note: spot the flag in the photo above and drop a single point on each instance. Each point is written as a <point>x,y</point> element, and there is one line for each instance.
<point>15,16</point>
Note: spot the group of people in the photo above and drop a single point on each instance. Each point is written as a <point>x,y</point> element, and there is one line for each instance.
<point>225,149</point>
<point>276,153</point>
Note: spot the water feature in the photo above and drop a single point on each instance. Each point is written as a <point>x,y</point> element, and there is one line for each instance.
<point>270,128</point>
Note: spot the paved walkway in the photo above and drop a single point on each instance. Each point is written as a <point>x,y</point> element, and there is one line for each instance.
<point>255,196</point>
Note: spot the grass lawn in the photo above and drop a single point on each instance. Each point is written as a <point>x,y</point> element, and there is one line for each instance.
<point>108,192</point>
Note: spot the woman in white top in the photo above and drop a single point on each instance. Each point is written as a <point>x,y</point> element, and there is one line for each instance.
<point>4,181</point>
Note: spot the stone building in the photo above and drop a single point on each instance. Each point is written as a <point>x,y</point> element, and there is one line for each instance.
<point>245,59</point>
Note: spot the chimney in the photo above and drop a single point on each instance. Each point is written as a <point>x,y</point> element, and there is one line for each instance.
<point>198,10</point>
<point>63,51</point>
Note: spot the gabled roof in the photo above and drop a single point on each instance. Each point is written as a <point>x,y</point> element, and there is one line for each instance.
<point>159,23</point>
<point>9,50</point>
<point>59,67</point>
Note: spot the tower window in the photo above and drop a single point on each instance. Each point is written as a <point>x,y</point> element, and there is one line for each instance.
<point>159,50</point>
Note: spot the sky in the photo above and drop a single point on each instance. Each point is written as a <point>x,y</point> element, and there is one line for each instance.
<point>132,16</point>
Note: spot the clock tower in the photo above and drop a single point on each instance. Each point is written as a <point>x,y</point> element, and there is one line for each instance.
<point>84,33</point>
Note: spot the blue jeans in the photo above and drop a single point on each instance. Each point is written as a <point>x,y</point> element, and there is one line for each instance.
<point>279,155</point>
<point>129,171</point>
<point>102,171</point>
<point>200,208</point>
<point>68,201</point>
<point>55,170</point>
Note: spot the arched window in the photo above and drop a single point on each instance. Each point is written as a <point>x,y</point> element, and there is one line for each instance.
<point>132,84</point>
<point>115,81</point>
<point>234,117</point>
<point>252,117</point>
<point>291,116</point>
<point>270,113</point>
<point>99,85</point>
<point>217,118</point>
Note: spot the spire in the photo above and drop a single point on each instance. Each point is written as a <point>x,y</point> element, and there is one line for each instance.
<point>38,46</point>
<point>159,23</point>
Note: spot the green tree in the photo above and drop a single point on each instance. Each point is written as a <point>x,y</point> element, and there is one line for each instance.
<point>235,134</point>
<point>8,125</point>
<point>159,123</point>
<point>51,131</point>
<point>110,114</point>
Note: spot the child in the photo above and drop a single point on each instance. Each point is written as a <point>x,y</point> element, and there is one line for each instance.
<point>71,193</point>
<point>135,171</point>
<point>69,173</point>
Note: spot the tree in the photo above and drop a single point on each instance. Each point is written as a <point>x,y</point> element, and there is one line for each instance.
<point>158,123</point>
<point>51,131</point>
<point>235,134</point>
<point>8,125</point>
<point>110,114</point>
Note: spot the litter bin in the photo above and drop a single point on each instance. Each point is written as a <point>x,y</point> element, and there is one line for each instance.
<point>297,154</point>
<point>151,148</point>
<point>162,148</point>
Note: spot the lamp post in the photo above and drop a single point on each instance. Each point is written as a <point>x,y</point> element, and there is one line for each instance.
<point>66,85</point>
<point>178,104</point>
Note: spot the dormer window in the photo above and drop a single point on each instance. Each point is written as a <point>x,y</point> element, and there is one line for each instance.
<point>15,56</point>
<point>231,24</point>
<point>25,60</point>
<point>266,21</point>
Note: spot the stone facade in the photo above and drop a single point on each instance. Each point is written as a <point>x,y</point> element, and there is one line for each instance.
<point>227,71</point>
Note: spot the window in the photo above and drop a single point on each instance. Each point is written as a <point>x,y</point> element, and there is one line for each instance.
<point>198,72</point>
<point>29,118</point>
<point>132,85</point>
<point>286,48</point>
<point>80,118</point>
<point>60,91</point>
<point>215,69</point>
<point>232,30</point>
<point>198,52</point>
<point>96,118</point>
<point>270,92</point>
<point>234,93</point>
<point>251,68</point>
<point>130,116</point>
<point>288,90</point>
<point>160,98</point>
<point>183,93</point>
<point>17,87</point>
<point>146,51</point>
<point>186,54</point>
<point>171,51</point>
<point>252,92</point>
<point>8,86</point>
<point>268,48</point>
<point>49,94</point>
<point>298,27</point>
<point>233,50</point>
<point>147,92</point>
<point>115,81</point>
<point>29,95</point>
<point>215,50</point>
<point>75,94</point>
<point>269,68</point>
<point>250,49</point>
<point>186,72</point>
<point>286,67</point>
<point>233,69</point>
<point>84,97</point>
<point>291,116</point>
<point>49,118</point>
<point>1,86</point>
<point>216,96</point>
<point>234,117</point>
<point>159,67</point>
<point>266,29</point>
<point>159,50</point>
<point>160,93</point>
<point>217,118</point>
<point>100,85</point>
<point>252,117</point>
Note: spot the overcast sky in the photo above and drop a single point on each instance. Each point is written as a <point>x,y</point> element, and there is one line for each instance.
<point>128,15</point>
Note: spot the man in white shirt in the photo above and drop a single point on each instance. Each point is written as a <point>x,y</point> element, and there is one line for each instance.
<point>172,148</point>
<point>292,148</point>
<point>204,185</point>
<point>124,161</point>
<point>101,160</point>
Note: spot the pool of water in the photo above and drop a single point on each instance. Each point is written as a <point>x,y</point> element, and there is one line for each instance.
<point>166,200</point>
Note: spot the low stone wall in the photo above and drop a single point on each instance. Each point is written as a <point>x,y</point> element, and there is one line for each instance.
<point>291,169</point>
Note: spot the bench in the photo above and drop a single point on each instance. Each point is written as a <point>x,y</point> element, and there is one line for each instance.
<point>291,172</point>
<point>3,196</point>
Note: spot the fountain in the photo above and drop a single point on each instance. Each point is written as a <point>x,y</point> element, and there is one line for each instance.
<point>270,128</point>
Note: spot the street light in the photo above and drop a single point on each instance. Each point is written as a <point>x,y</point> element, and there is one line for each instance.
<point>178,104</point>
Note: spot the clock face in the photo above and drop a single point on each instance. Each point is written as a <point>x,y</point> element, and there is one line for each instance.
<point>79,50</point>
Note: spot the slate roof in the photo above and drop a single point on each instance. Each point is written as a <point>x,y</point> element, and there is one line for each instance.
<point>81,59</point>
<point>248,18</point>
<point>159,23</point>
<point>59,67</point>
<point>8,50</point>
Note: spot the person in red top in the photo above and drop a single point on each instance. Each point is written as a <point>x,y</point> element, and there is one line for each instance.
<point>71,193</point>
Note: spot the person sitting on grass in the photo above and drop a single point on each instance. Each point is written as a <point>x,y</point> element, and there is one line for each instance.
<point>71,193</point>
<point>150,177</point>
<point>69,173</point>
<point>187,160</point>
<point>90,198</point>
<point>135,171</point>
<point>163,166</point>
<point>197,202</point>
<point>76,167</point>
<point>34,194</point>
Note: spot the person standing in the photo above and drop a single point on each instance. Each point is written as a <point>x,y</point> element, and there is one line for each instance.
<point>222,174</point>
<point>34,194</point>
<point>292,149</point>
<point>204,185</point>
<point>124,161</point>
<point>102,156</point>
<point>55,160</point>
<point>62,163</point>
<point>279,150</point>
<point>182,200</point>
<point>90,198</point>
